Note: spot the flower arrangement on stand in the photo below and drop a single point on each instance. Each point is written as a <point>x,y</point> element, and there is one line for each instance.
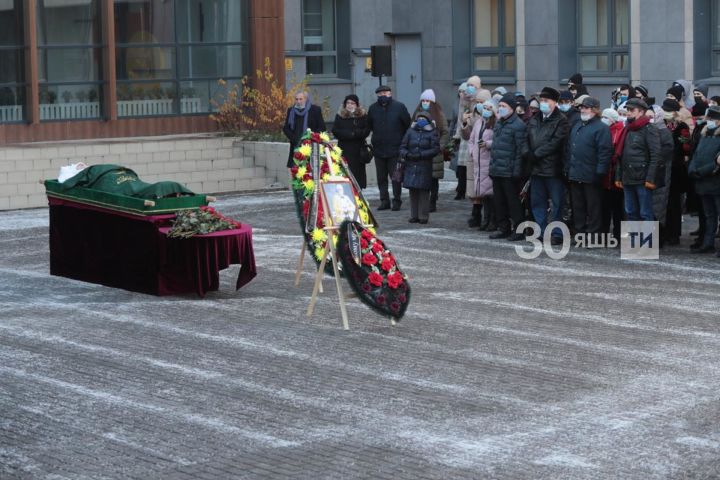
<point>377,278</point>
<point>201,221</point>
<point>303,185</point>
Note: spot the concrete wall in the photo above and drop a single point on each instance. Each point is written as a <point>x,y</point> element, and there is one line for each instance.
<point>205,164</point>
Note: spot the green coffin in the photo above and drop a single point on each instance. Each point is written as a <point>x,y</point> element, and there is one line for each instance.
<point>124,203</point>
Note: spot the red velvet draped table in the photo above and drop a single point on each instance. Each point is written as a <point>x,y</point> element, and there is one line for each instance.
<point>133,252</point>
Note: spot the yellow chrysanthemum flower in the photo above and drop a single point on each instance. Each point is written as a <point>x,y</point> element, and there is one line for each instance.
<point>324,137</point>
<point>301,172</point>
<point>318,235</point>
<point>335,156</point>
<point>337,149</point>
<point>309,185</point>
<point>335,240</point>
<point>305,150</point>
<point>326,177</point>
<point>364,216</point>
<point>334,169</point>
<point>319,252</point>
<point>372,230</point>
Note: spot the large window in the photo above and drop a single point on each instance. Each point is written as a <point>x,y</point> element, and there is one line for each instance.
<point>170,55</point>
<point>493,36</point>
<point>604,36</point>
<point>12,85</point>
<point>318,37</point>
<point>69,59</point>
<point>715,9</point>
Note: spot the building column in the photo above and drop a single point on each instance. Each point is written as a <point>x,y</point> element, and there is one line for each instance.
<point>31,62</point>
<point>688,38</point>
<point>267,37</point>
<point>635,58</point>
<point>109,69</point>
<point>520,50</point>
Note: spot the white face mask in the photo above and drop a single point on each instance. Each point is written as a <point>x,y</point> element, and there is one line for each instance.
<point>586,116</point>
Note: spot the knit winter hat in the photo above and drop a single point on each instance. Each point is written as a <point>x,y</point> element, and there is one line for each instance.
<point>510,100</point>
<point>643,90</point>
<point>462,87</point>
<point>566,95</point>
<point>576,79</point>
<point>500,90</point>
<point>676,91</point>
<point>611,114</point>
<point>702,88</point>
<point>713,112</point>
<point>428,95</point>
<point>352,97</point>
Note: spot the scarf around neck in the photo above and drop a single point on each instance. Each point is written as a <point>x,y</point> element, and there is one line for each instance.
<point>300,113</point>
<point>634,126</point>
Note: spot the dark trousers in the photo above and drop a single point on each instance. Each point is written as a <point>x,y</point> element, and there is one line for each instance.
<point>461,174</point>
<point>587,207</point>
<point>507,204</point>
<point>673,219</point>
<point>419,203</point>
<point>385,168</point>
<point>542,191</point>
<point>613,211</point>
<point>711,206</point>
<point>435,190</point>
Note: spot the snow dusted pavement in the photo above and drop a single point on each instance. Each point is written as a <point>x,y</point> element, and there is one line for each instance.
<point>584,368</point>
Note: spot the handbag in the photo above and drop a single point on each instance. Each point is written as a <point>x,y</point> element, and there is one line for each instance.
<point>366,152</point>
<point>399,174</point>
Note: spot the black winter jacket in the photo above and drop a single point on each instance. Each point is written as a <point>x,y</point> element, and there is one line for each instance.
<point>388,125</point>
<point>418,147</point>
<point>589,151</point>
<point>546,141</point>
<point>703,167</point>
<point>509,148</point>
<point>315,123</point>
<point>640,157</point>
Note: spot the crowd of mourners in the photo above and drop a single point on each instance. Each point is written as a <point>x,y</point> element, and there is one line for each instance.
<point>555,156</point>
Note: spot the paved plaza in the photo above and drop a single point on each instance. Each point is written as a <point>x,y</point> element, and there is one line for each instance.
<point>585,368</point>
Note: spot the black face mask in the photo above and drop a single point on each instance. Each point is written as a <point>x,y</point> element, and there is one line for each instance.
<point>383,100</point>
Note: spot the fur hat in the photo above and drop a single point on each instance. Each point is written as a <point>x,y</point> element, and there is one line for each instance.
<point>550,93</point>
<point>428,95</point>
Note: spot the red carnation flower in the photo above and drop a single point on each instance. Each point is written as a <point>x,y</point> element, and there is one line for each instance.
<point>369,259</point>
<point>387,264</point>
<point>294,170</point>
<point>363,243</point>
<point>307,177</point>
<point>366,287</point>
<point>376,279</point>
<point>381,299</point>
<point>378,247</point>
<point>367,235</point>
<point>395,307</point>
<point>298,156</point>
<point>402,298</point>
<point>395,280</point>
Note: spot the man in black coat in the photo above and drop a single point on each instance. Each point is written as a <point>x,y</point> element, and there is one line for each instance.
<point>547,133</point>
<point>388,120</point>
<point>300,117</point>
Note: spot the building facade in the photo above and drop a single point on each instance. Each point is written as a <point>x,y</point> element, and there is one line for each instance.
<point>80,69</point>
<point>522,45</point>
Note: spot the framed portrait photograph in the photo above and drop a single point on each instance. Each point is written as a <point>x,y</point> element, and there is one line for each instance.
<point>340,201</point>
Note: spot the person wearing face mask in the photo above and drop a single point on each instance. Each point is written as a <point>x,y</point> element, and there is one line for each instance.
<point>642,92</point>
<point>462,105</point>
<point>664,172</point>
<point>625,93</point>
<point>418,148</point>
<point>388,120</point>
<point>534,106</point>
<point>508,151</point>
<point>480,142</point>
<point>701,102</point>
<point>301,117</point>
<point>677,93</point>
<point>638,157</point>
<point>681,149</point>
<point>566,105</point>
<point>473,94</point>
<point>428,104</point>
<point>547,133</point>
<point>693,203</point>
<point>351,129</point>
<point>576,87</point>
<point>589,152</point>
<point>704,168</point>
<point>714,101</point>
